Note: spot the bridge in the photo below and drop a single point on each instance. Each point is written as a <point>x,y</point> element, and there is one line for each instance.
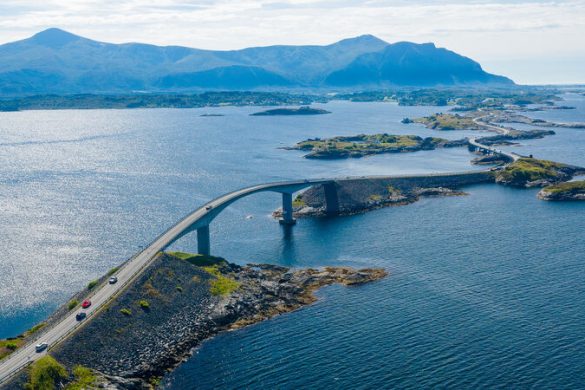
<point>199,221</point>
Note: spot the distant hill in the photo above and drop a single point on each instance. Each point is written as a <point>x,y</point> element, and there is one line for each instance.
<point>55,61</point>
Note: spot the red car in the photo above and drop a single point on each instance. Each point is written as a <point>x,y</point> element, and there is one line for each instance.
<point>86,304</point>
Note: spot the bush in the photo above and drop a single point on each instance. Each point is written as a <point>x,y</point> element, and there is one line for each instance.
<point>11,345</point>
<point>179,289</point>
<point>113,271</point>
<point>46,373</point>
<point>71,305</point>
<point>126,312</point>
<point>198,260</point>
<point>92,284</point>
<point>144,304</point>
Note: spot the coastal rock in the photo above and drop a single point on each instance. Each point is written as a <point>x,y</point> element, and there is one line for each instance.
<point>570,191</point>
<point>131,351</point>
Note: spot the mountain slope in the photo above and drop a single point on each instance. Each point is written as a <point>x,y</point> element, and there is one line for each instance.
<point>55,61</point>
<point>412,64</point>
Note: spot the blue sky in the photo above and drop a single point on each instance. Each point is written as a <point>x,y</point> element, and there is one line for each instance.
<point>530,41</point>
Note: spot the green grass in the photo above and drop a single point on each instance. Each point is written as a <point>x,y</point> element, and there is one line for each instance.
<point>126,312</point>
<point>298,202</point>
<point>92,284</point>
<point>220,284</point>
<point>198,260</point>
<point>72,304</point>
<point>573,187</point>
<point>144,304</point>
<point>84,379</point>
<point>35,328</point>
<point>9,346</point>
<point>529,169</point>
<point>223,286</point>
<point>45,374</point>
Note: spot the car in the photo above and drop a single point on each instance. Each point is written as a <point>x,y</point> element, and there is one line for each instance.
<point>113,280</point>
<point>41,347</point>
<point>86,304</point>
<point>208,207</point>
<point>80,316</point>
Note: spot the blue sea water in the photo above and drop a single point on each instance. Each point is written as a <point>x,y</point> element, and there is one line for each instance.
<point>484,290</point>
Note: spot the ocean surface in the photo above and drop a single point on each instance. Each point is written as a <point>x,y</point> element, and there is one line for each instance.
<point>484,290</point>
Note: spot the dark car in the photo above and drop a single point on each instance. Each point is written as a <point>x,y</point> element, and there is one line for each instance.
<point>80,316</point>
<point>208,207</point>
<point>86,304</point>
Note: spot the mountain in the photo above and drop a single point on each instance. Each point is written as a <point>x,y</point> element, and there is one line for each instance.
<point>406,63</point>
<point>56,61</point>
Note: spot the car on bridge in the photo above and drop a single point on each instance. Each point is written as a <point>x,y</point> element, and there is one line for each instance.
<point>41,347</point>
<point>113,280</point>
<point>81,316</point>
<point>86,304</point>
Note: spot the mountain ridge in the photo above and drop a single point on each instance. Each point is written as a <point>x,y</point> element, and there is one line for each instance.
<point>57,61</point>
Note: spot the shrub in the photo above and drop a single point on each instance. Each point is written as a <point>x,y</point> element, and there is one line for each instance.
<point>92,284</point>
<point>126,312</point>
<point>45,373</point>
<point>179,289</point>
<point>11,345</point>
<point>198,260</point>
<point>113,271</point>
<point>144,304</point>
<point>71,305</point>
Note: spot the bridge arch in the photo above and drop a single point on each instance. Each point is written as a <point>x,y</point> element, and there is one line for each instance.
<point>201,218</point>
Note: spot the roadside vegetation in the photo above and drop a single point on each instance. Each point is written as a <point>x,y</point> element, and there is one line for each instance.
<point>572,187</point>
<point>92,284</point>
<point>46,374</point>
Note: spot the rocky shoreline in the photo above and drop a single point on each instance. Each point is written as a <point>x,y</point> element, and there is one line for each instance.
<point>571,191</point>
<point>156,323</point>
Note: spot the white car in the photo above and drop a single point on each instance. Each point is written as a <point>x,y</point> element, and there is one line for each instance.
<point>41,347</point>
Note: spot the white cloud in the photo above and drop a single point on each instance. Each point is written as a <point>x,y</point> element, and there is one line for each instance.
<point>489,31</point>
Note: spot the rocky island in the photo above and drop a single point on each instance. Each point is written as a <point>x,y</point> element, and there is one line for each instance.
<point>532,172</point>
<point>305,110</point>
<point>365,145</point>
<point>573,190</point>
<point>179,301</point>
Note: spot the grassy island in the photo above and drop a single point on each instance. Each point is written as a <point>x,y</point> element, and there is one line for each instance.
<point>531,172</point>
<point>366,145</point>
<point>446,122</point>
<point>573,190</point>
<point>305,110</point>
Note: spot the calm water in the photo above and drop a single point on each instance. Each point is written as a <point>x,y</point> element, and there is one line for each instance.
<point>485,290</point>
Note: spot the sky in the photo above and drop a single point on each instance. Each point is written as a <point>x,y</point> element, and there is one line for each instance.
<point>530,41</point>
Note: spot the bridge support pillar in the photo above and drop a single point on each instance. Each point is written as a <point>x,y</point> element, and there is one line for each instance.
<point>331,199</point>
<point>203,241</point>
<point>287,210</point>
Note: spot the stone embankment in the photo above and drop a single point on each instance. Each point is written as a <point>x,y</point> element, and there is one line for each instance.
<point>176,304</point>
<point>360,195</point>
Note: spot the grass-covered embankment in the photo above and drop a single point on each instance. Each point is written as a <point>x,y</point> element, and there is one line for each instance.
<point>574,190</point>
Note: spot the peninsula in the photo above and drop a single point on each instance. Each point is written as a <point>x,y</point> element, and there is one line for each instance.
<point>179,301</point>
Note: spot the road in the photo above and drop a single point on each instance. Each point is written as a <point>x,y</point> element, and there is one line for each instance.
<point>500,130</point>
<point>129,271</point>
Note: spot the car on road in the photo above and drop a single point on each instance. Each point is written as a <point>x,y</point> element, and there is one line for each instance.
<point>113,280</point>
<point>86,304</point>
<point>80,316</point>
<point>208,207</point>
<point>41,347</point>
